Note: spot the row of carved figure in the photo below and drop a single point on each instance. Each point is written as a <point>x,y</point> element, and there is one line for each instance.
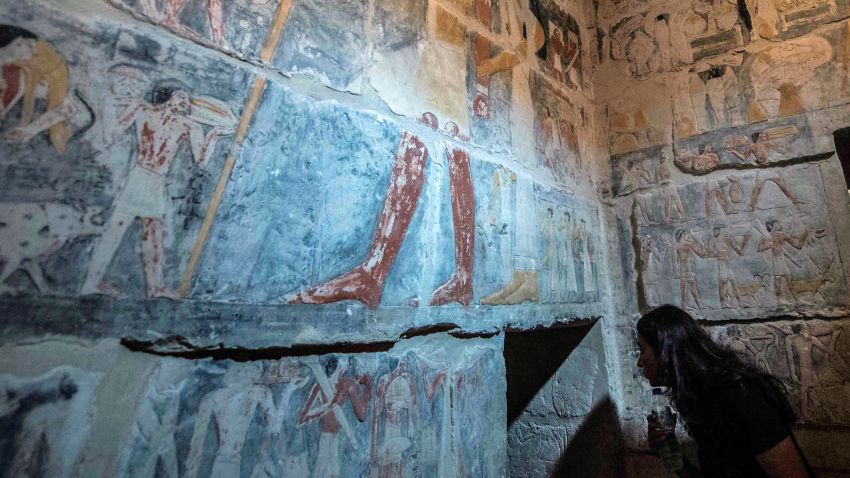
<point>317,417</point>
<point>724,245</point>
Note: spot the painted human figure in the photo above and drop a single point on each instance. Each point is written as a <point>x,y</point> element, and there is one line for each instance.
<point>226,413</point>
<point>326,402</point>
<point>713,192</point>
<point>650,261</point>
<point>550,257</point>
<point>591,278</point>
<point>579,237</point>
<point>394,422</point>
<point>721,247</point>
<point>707,160</point>
<point>365,283</point>
<point>566,267</point>
<point>763,177</point>
<point>669,192</point>
<point>161,128</point>
<point>170,16</point>
<point>549,140</point>
<point>287,371</point>
<point>759,149</point>
<point>687,245</point>
<point>801,342</point>
<point>758,344</point>
<point>775,243</point>
<point>18,400</point>
<point>33,70</point>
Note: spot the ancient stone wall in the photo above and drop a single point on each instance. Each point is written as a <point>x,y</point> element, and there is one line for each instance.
<point>257,179</point>
<point>725,192</point>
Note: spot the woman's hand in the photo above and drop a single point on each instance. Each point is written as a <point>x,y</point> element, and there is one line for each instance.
<point>655,431</point>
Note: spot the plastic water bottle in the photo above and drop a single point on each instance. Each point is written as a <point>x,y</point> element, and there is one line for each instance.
<point>668,449</point>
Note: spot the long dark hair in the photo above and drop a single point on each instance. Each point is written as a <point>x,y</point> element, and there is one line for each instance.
<point>692,364</point>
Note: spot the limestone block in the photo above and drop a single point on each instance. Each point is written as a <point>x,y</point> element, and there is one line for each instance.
<point>316,183</point>
<point>567,428</point>
<point>568,230</point>
<point>641,169</point>
<point>559,135</point>
<point>116,155</point>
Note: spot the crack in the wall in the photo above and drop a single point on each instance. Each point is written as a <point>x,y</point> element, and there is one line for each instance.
<point>181,347</point>
<point>750,166</point>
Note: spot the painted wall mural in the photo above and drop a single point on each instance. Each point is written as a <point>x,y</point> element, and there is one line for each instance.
<point>401,413</point>
<point>114,150</point>
<point>239,26</point>
<point>46,421</point>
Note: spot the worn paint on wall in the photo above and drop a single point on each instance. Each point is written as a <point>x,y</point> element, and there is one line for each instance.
<point>401,413</point>
<point>119,156</point>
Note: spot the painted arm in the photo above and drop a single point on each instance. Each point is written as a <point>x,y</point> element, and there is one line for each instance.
<point>202,146</point>
<point>377,418</point>
<point>360,403</point>
<point>798,243</point>
<point>432,390</point>
<point>789,355</point>
<point>744,242</point>
<point>735,152</point>
<point>307,413</point>
<point>127,118</point>
<point>699,248</point>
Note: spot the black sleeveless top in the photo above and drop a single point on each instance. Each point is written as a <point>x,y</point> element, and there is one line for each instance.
<point>740,420</point>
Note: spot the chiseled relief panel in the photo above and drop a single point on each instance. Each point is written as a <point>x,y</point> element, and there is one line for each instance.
<point>112,141</point>
<point>811,358</point>
<point>414,411</point>
<point>759,240</point>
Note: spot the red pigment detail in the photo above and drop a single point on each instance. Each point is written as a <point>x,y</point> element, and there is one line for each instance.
<point>365,283</point>
<point>459,286</point>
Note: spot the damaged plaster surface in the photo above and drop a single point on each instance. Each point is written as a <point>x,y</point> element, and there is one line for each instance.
<point>431,406</point>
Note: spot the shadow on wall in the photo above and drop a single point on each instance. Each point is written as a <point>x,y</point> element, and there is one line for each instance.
<point>533,357</point>
<point>560,418</point>
<point>594,449</point>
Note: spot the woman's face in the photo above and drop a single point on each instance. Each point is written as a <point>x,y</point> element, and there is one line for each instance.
<point>648,362</point>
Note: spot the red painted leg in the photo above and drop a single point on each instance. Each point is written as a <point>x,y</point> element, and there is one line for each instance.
<point>365,283</point>
<point>459,286</point>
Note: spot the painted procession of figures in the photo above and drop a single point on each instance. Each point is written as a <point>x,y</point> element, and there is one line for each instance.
<point>377,416</point>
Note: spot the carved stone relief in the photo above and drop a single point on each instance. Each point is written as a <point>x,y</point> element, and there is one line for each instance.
<point>809,357</point>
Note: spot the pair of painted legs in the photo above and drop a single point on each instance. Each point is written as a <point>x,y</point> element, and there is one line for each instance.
<point>173,8</point>
<point>152,256</point>
<point>365,283</point>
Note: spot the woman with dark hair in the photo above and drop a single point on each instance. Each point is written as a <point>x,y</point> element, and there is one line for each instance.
<point>738,416</point>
